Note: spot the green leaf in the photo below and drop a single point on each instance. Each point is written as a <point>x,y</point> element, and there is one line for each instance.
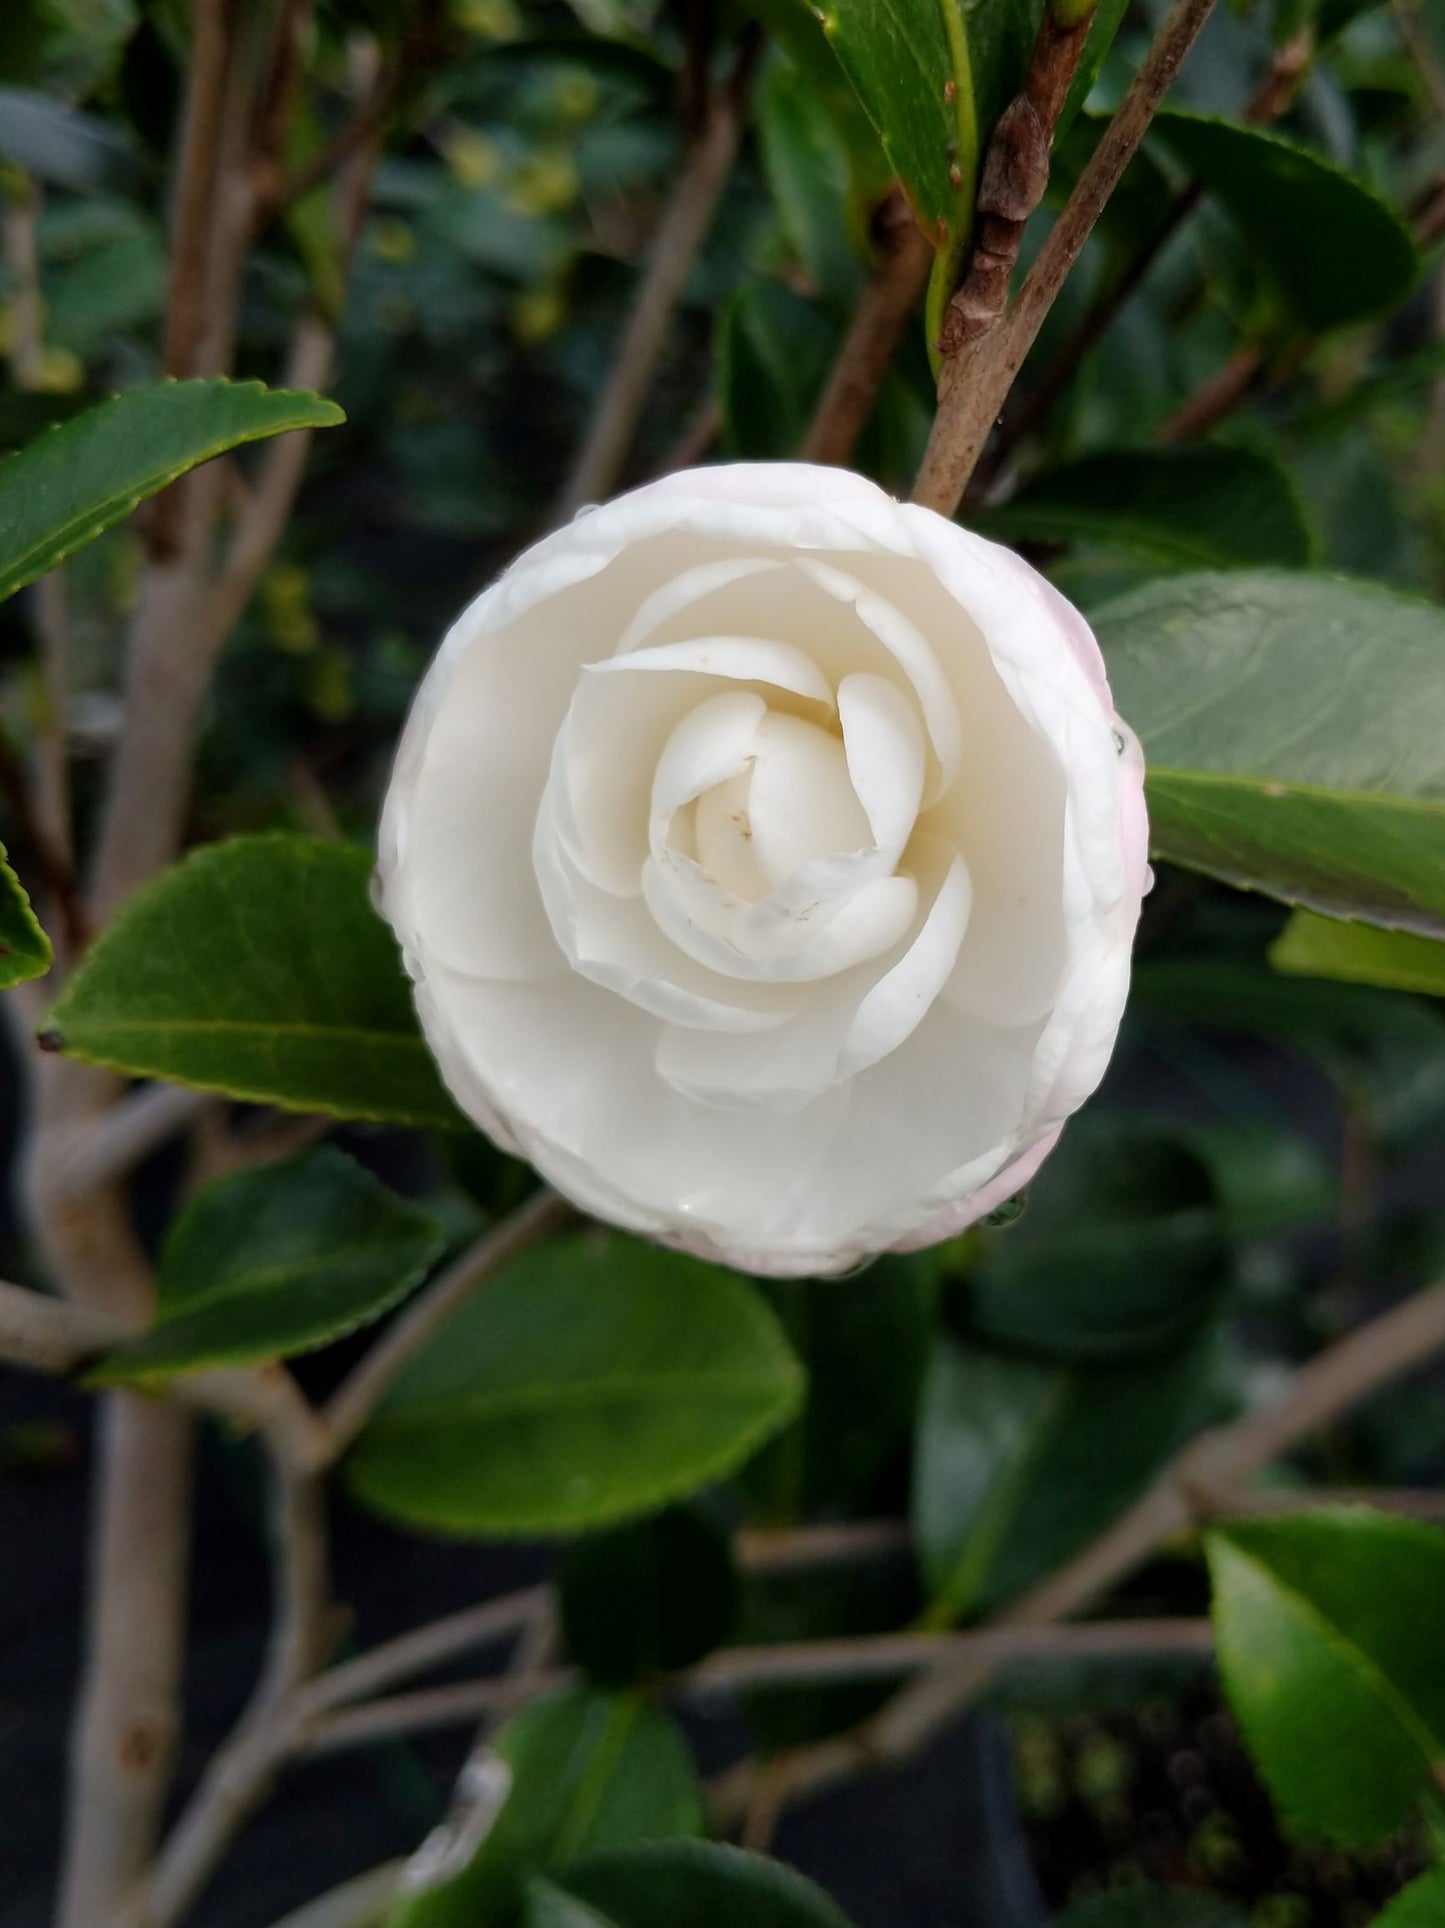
<point>590,1382</point>
<point>773,358</point>
<point>651,1596</point>
<point>1141,1907</point>
<point>274,1262</point>
<point>1421,1905</point>
<point>1120,1254</point>
<point>933,77</point>
<point>1335,250</point>
<point>73,482</point>
<point>863,1342</point>
<point>1294,729</point>
<point>574,1774</point>
<point>1186,508</point>
<point>1385,1053</point>
<point>257,968</point>
<point>680,1884</point>
<point>1328,1632</point>
<point>24,948</point>
<point>1312,946</point>
<point>807,168</point>
<point>1010,1479</point>
<point>1108,18</point>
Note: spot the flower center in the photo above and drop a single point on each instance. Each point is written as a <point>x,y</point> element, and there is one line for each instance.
<point>795,801</point>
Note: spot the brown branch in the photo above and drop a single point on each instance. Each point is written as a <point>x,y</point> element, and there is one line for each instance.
<point>50,857</point>
<point>192,204</point>
<point>701,179</point>
<point>359,1395</point>
<point>974,384</point>
<point>1013,181</point>
<point>364,129</point>
<point>891,293</point>
<point>1198,1485</point>
<point>1219,397</point>
<point>766,1549</point>
<point>1271,98</point>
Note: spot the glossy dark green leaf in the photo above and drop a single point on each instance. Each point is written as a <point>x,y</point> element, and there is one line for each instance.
<point>258,968</point>
<point>1143,1907</point>
<point>1294,729</point>
<point>933,79</point>
<point>1108,18</point>
<point>1386,1053</point>
<point>1336,251</point>
<point>73,482</point>
<point>574,1774</point>
<point>1120,1253</point>
<point>682,1884</point>
<point>1010,1477</point>
<point>278,1261</point>
<point>592,1381</point>
<point>862,1341</point>
<point>652,1596</point>
<point>1328,1633</point>
<point>807,167</point>
<point>773,359</point>
<point>24,413</point>
<point>24,948</point>
<point>1185,508</point>
<point>1312,946</point>
<point>1421,1905</point>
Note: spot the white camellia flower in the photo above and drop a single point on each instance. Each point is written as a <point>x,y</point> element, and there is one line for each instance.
<point>766,855</point>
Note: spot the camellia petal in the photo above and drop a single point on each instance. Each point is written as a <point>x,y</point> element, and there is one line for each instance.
<point>767,863</point>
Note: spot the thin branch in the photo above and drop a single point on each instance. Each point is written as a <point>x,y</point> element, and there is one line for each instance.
<point>804,1662</point>
<point>700,182</point>
<point>424,1648</point>
<point>1219,397</point>
<point>1201,1483</point>
<point>769,1549</point>
<point>241,1773</point>
<point>364,129</point>
<point>362,1902</point>
<point>50,857</point>
<point>359,1395</point>
<point>113,1143</point>
<point>891,293</point>
<point>192,203</point>
<point>975,383</point>
<point>427,1710</point>
<point>1013,181</point>
<point>50,1335</point>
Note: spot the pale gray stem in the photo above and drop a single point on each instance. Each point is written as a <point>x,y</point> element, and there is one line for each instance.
<point>359,1396</point>
<point>425,1647</point>
<point>361,1903</point>
<point>111,1144</point>
<point>804,1662</point>
<point>127,1724</point>
<point>1202,1482</point>
<point>50,1335</point>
